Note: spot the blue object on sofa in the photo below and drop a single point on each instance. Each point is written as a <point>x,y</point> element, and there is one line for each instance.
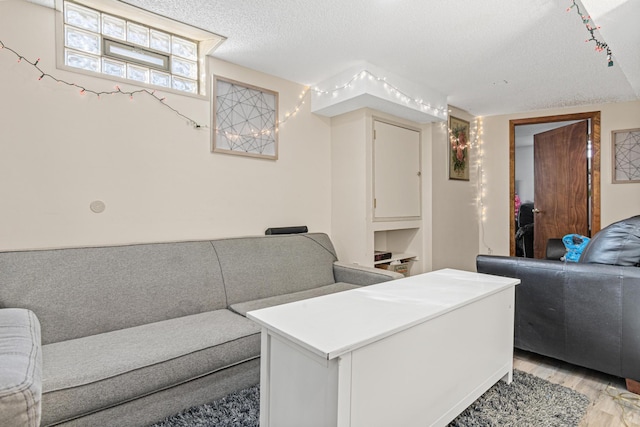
<point>575,244</point>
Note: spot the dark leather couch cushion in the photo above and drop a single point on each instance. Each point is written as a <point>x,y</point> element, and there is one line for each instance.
<point>616,244</point>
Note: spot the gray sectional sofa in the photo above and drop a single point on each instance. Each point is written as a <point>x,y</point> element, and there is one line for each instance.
<point>131,334</point>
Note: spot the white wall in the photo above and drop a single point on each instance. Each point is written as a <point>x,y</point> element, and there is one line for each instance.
<point>351,183</point>
<point>618,201</point>
<point>524,173</point>
<point>455,211</point>
<point>60,150</point>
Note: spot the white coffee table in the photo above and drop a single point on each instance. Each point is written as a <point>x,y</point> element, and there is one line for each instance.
<point>412,352</point>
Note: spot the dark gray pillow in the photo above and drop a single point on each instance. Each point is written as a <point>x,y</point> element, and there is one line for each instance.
<point>616,244</point>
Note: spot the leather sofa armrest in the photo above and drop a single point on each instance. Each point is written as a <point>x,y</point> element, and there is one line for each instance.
<point>585,314</point>
<point>555,249</point>
<point>361,275</point>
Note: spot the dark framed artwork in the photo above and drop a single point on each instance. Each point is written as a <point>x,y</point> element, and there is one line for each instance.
<point>245,119</point>
<point>625,155</point>
<point>458,149</point>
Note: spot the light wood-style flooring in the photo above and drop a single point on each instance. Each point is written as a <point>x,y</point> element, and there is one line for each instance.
<point>611,403</point>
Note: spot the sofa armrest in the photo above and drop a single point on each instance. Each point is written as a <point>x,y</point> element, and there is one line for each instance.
<point>555,249</point>
<point>20,368</point>
<point>585,314</point>
<point>361,275</point>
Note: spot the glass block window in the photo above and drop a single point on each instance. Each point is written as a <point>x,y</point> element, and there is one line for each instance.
<point>113,46</point>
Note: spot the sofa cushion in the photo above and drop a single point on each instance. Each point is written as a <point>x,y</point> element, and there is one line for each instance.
<point>92,373</point>
<point>20,368</point>
<point>108,288</point>
<point>261,267</point>
<point>244,307</point>
<point>616,244</point>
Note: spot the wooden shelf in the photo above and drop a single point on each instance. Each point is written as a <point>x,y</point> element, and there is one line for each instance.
<point>395,257</point>
<point>395,225</point>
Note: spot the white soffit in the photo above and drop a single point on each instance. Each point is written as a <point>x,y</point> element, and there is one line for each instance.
<point>367,86</point>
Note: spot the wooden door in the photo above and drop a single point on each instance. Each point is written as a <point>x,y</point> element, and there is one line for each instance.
<point>560,184</point>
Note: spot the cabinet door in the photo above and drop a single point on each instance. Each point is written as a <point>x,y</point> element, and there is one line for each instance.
<point>396,154</point>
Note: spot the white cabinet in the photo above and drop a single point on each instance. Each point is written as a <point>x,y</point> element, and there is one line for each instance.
<point>396,171</point>
<point>376,188</point>
<point>436,344</point>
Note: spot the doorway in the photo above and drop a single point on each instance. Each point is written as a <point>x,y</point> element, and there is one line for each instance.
<point>593,177</point>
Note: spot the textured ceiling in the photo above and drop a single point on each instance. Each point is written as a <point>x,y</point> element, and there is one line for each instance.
<point>488,57</point>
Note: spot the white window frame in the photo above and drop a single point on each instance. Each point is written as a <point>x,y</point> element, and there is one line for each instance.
<point>206,41</point>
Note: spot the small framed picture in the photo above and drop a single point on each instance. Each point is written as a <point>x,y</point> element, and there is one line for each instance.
<point>459,145</point>
<point>245,119</point>
<point>625,155</point>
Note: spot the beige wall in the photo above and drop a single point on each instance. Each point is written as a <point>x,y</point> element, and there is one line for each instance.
<point>60,150</point>
<point>455,210</point>
<point>618,201</point>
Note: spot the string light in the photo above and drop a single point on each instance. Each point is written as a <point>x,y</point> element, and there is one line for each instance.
<point>267,131</point>
<point>117,90</point>
<point>364,74</point>
<point>586,20</point>
<point>85,90</point>
<point>478,142</point>
<point>394,90</point>
<point>297,108</point>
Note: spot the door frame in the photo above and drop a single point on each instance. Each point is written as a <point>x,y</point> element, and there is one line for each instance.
<point>594,214</point>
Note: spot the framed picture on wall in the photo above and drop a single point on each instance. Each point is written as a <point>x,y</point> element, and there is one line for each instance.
<point>245,119</point>
<point>625,149</point>
<point>458,149</point>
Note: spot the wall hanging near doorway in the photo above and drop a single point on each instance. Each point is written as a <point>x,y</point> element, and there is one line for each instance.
<point>245,119</point>
<point>625,146</point>
<point>459,149</point>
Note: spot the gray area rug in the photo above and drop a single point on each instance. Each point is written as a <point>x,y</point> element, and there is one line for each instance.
<point>527,401</point>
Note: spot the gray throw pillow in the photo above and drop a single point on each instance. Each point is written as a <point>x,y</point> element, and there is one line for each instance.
<point>616,244</point>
